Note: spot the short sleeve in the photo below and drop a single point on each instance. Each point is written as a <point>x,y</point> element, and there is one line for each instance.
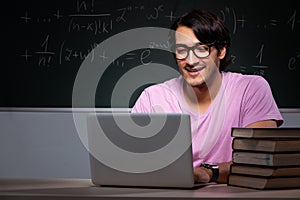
<point>258,103</point>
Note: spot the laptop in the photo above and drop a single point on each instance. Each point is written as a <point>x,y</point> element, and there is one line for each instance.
<point>141,150</point>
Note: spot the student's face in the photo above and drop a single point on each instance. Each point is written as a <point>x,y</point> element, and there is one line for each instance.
<point>195,70</point>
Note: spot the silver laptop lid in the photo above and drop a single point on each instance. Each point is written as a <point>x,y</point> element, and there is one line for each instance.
<point>140,149</point>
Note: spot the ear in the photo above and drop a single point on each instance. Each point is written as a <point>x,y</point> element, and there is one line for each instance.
<point>222,53</point>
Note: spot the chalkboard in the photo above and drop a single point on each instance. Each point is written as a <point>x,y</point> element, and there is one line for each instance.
<point>54,38</point>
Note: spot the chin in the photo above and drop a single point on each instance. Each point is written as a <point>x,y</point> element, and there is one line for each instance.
<point>194,82</point>
<point>198,84</point>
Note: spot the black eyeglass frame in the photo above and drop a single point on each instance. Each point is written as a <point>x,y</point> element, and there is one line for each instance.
<point>192,48</point>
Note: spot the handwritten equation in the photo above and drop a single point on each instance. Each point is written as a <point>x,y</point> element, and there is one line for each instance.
<point>90,19</point>
<point>66,54</point>
<point>288,22</point>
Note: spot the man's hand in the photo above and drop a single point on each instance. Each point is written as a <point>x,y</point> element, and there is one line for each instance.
<point>204,175</point>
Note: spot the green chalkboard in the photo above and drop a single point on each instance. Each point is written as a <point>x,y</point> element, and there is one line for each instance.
<point>55,38</point>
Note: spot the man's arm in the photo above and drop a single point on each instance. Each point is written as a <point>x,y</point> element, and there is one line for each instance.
<point>263,124</point>
<point>202,174</point>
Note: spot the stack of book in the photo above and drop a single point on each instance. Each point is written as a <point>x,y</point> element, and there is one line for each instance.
<point>265,158</point>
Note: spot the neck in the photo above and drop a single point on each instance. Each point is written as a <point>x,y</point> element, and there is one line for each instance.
<point>200,97</point>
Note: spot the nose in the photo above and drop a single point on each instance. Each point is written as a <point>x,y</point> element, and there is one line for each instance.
<point>192,59</point>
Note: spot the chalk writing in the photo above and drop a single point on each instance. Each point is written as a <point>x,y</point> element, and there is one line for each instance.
<point>230,11</point>
<point>292,20</point>
<point>84,5</point>
<point>103,56</point>
<point>157,11</point>
<point>243,69</point>
<point>233,58</point>
<point>86,19</point>
<point>155,45</point>
<point>96,26</point>
<point>293,60</point>
<point>57,15</point>
<point>171,16</point>
<point>124,11</point>
<point>68,54</point>
<point>26,18</point>
<point>144,55</point>
<point>45,56</point>
<point>260,54</point>
<point>144,58</point>
<point>58,36</point>
<point>26,55</point>
<point>259,69</point>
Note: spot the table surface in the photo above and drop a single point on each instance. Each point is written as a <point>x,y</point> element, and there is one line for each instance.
<point>58,188</point>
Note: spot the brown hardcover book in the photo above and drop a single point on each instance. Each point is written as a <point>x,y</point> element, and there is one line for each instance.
<point>255,170</point>
<point>266,159</point>
<point>267,145</point>
<point>266,132</point>
<point>257,182</point>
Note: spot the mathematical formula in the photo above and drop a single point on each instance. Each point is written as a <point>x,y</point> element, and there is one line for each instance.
<point>89,22</point>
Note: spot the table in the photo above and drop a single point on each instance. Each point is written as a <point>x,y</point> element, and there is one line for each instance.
<point>59,188</point>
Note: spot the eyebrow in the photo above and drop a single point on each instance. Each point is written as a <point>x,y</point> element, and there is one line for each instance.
<point>199,43</point>
<point>195,44</point>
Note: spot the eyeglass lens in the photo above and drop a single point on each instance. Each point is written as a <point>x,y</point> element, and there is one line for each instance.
<point>182,51</point>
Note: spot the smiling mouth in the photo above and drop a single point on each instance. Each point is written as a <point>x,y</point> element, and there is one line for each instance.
<point>194,69</point>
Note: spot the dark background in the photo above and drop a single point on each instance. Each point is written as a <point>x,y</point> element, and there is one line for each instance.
<point>52,39</point>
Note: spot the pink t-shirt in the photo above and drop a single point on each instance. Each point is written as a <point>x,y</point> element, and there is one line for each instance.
<point>241,100</point>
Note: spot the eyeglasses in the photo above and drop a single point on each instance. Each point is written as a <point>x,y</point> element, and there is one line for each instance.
<point>200,50</point>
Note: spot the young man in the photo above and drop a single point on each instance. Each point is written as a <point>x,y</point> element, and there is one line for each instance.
<point>215,100</point>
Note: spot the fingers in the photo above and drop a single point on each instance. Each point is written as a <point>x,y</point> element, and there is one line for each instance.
<point>202,175</point>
